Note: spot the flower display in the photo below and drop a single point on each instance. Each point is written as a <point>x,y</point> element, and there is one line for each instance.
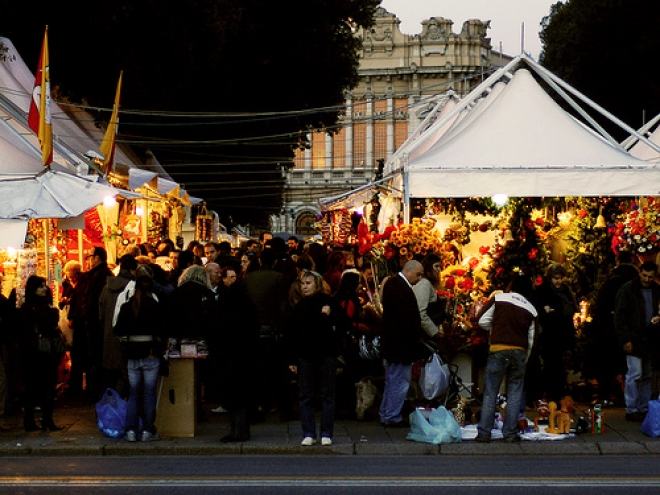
<point>637,229</point>
<point>464,287</point>
<point>418,237</point>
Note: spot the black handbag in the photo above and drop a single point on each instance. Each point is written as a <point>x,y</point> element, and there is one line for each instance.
<point>51,345</point>
<point>436,310</point>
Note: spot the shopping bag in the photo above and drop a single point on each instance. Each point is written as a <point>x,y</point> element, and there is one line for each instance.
<point>111,414</point>
<point>434,377</point>
<point>651,423</point>
<point>440,427</point>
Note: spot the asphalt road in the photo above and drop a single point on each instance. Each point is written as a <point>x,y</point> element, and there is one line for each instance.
<point>495,474</point>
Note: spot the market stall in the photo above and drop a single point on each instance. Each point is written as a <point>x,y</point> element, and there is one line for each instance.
<point>505,180</point>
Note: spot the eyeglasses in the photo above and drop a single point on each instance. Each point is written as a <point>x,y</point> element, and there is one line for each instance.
<point>89,256</point>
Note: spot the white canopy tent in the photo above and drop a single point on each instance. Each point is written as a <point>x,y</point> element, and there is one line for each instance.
<point>53,194</point>
<point>640,149</point>
<point>524,144</point>
<point>508,136</point>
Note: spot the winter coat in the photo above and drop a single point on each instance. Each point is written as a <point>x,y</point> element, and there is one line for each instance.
<point>112,350</point>
<point>142,334</point>
<point>37,317</point>
<point>425,294</point>
<point>234,346</point>
<point>191,311</point>
<point>557,328</point>
<point>630,317</point>
<point>268,293</point>
<point>314,333</point>
<point>402,333</point>
<point>86,294</point>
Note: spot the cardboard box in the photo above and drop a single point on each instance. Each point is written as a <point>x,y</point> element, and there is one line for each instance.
<point>177,415</point>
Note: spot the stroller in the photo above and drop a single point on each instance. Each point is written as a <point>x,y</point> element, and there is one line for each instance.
<point>452,383</point>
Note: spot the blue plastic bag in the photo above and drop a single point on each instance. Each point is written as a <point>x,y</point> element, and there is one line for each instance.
<point>111,414</point>
<point>651,423</point>
<point>441,427</point>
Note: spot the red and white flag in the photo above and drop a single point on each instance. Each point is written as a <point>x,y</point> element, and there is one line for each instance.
<point>39,118</point>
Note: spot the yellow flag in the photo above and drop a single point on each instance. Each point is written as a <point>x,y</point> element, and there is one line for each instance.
<point>110,138</point>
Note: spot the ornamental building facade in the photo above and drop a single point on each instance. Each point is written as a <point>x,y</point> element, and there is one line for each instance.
<point>401,79</point>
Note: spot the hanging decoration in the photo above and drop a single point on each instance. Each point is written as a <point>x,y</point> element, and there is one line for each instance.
<point>637,229</point>
<point>588,256</point>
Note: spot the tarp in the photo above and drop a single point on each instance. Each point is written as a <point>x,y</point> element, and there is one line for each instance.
<point>52,194</point>
<point>12,232</point>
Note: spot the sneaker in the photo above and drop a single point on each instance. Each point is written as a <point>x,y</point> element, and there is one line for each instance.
<point>219,409</point>
<point>482,439</point>
<point>513,439</point>
<point>131,436</point>
<point>326,441</point>
<point>308,442</point>
<point>149,437</point>
<point>637,416</point>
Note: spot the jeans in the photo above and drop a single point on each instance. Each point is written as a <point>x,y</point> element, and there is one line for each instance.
<point>142,382</point>
<point>637,391</point>
<point>511,363</point>
<point>397,382</point>
<point>311,371</point>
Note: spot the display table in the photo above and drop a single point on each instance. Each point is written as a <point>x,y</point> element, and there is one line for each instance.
<point>177,415</point>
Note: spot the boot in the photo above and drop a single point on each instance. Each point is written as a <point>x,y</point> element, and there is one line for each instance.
<point>49,425</point>
<point>29,424</point>
<point>241,425</point>
<point>239,430</point>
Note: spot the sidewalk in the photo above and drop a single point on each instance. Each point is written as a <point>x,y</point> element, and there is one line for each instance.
<point>82,438</point>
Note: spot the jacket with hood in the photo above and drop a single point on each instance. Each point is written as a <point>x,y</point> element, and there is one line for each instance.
<point>112,352</point>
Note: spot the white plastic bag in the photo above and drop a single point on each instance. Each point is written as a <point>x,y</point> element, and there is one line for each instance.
<point>434,378</point>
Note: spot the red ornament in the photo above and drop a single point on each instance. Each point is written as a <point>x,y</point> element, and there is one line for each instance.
<point>484,250</point>
<point>450,283</point>
<point>582,213</point>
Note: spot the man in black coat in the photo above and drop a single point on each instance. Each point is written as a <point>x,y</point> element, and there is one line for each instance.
<point>401,340</point>
<point>87,350</point>
<point>637,323</point>
<point>606,356</point>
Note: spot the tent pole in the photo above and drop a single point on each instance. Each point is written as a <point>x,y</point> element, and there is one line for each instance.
<point>406,199</point>
<point>46,224</point>
<point>81,259</point>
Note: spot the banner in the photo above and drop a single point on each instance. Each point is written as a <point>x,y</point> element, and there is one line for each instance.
<point>39,117</point>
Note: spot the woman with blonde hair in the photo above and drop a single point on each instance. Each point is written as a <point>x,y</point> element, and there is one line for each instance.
<point>315,348</point>
<point>192,315</point>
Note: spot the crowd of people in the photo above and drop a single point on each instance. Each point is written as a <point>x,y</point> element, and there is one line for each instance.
<point>282,326</point>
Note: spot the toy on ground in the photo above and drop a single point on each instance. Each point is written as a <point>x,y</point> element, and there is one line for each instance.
<point>563,417</point>
<point>460,411</point>
<point>552,419</point>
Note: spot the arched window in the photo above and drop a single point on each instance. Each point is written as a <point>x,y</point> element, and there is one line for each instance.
<point>305,224</point>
